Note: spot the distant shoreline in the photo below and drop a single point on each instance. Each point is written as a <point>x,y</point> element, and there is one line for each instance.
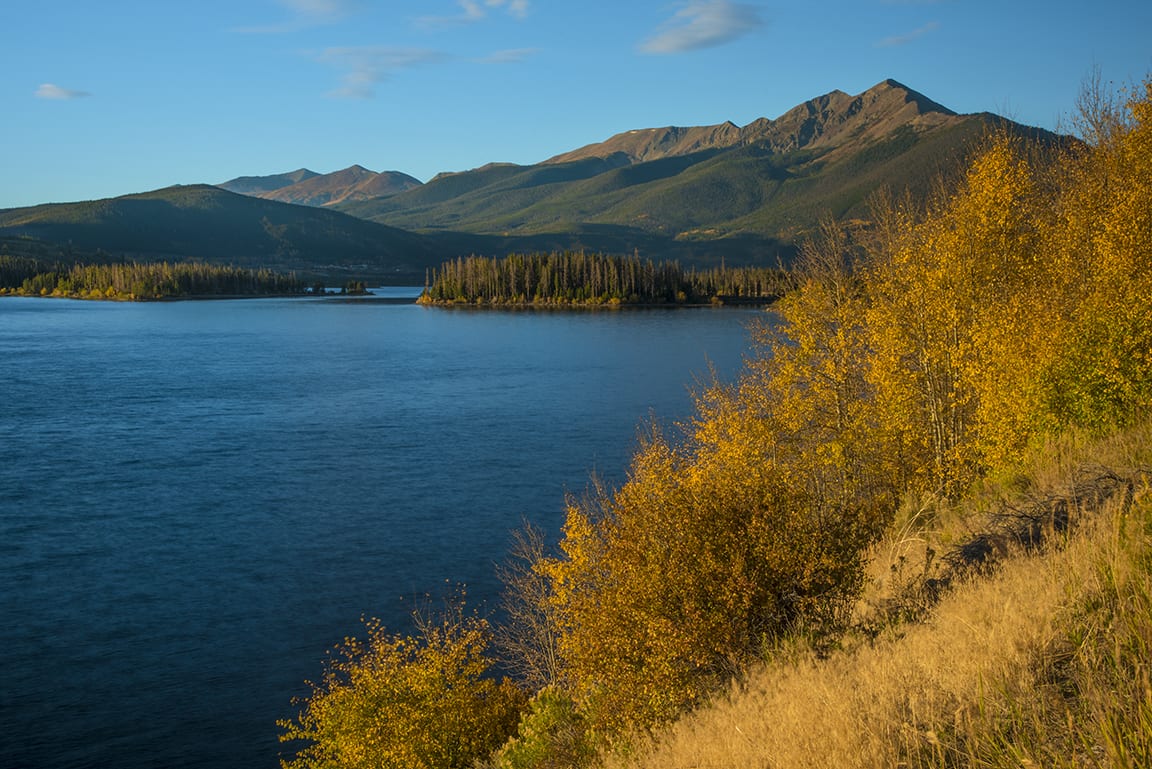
<point>150,300</point>
<point>411,300</point>
<point>349,298</point>
<point>598,306</point>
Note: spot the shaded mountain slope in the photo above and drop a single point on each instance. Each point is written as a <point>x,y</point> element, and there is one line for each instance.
<point>210,224</point>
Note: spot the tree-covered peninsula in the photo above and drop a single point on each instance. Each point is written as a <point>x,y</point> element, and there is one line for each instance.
<point>134,281</point>
<point>582,279</point>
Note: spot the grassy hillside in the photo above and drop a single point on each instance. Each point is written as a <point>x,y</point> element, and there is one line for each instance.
<point>212,225</point>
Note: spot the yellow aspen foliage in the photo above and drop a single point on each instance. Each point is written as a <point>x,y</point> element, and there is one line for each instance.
<point>997,219</point>
<point>812,375</point>
<point>965,309</point>
<point>1105,373</point>
<point>424,702</point>
<point>920,309</point>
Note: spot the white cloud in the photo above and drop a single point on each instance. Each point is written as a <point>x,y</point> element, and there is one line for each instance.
<point>704,24</point>
<point>367,67</point>
<point>915,34</point>
<point>472,11</point>
<point>56,93</point>
<point>510,56</point>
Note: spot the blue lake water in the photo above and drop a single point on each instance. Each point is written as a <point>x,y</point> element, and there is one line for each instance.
<point>199,499</point>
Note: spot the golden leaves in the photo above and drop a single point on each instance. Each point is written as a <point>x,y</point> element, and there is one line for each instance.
<point>423,702</point>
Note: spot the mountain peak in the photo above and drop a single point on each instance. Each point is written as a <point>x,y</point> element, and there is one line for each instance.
<point>357,169</point>
<point>892,89</point>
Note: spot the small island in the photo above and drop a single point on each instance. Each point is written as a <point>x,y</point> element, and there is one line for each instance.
<point>578,279</point>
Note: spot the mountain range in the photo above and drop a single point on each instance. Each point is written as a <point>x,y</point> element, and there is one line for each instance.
<point>699,194</point>
<point>704,192</point>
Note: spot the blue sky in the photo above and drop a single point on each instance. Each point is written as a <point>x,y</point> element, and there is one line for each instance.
<point>108,98</point>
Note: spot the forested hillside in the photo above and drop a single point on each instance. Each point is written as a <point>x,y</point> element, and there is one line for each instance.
<point>939,351</point>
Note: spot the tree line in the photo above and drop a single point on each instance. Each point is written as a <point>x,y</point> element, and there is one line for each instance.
<point>582,278</point>
<point>140,281</point>
<point>911,360</point>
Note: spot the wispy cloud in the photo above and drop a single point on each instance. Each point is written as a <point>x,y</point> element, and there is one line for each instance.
<point>364,68</point>
<point>472,11</point>
<point>703,24</point>
<point>915,34</point>
<point>304,14</point>
<point>56,93</point>
<point>518,8</point>
<point>510,56</point>
<point>318,8</point>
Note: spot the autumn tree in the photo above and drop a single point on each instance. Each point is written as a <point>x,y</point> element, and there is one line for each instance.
<point>410,702</point>
<point>527,637</point>
<point>956,316</point>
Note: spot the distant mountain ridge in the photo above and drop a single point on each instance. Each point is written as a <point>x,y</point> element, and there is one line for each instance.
<point>256,185</point>
<point>308,188</point>
<point>821,122</point>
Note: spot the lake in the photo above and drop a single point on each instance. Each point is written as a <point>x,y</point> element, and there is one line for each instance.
<point>199,499</point>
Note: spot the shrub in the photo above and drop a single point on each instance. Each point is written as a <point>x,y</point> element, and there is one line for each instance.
<point>551,734</point>
<point>423,702</point>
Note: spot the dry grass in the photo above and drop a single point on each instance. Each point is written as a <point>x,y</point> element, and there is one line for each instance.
<point>1042,661</point>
